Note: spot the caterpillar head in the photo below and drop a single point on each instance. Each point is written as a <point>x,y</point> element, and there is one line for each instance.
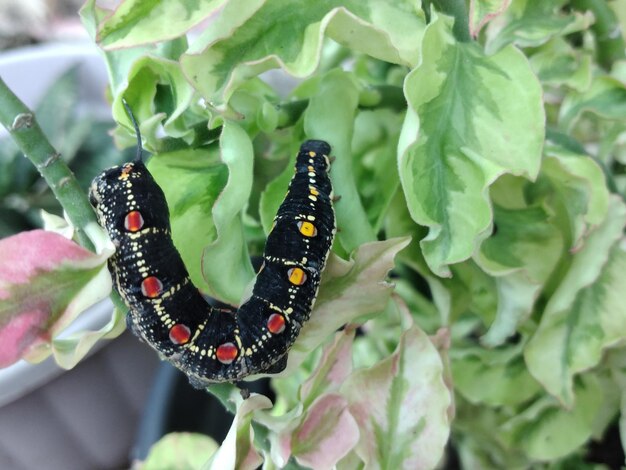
<point>123,189</point>
<point>313,153</point>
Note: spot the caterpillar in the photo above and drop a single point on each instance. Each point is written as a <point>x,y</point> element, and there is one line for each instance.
<point>169,313</point>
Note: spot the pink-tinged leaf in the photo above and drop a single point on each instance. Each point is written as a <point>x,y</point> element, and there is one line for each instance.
<point>334,367</point>
<point>46,280</point>
<point>237,451</point>
<point>401,406</point>
<point>281,429</point>
<point>327,433</point>
<point>482,12</point>
<point>350,289</point>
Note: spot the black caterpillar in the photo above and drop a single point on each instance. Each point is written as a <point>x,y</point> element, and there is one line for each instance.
<point>168,312</point>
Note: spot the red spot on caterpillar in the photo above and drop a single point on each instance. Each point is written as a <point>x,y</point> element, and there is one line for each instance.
<point>226,353</point>
<point>276,323</point>
<point>180,334</point>
<point>151,287</point>
<point>133,222</point>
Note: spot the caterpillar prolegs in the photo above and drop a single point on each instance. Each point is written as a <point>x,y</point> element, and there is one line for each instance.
<point>168,312</point>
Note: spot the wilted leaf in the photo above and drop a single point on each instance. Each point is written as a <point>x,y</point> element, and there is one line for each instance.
<point>236,47</point>
<point>585,315</point>
<point>180,451</point>
<point>401,405</point>
<point>45,282</point>
<point>471,118</point>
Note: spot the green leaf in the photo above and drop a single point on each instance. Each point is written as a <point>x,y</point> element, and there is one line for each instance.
<point>246,40</point>
<point>557,63</point>
<point>137,22</point>
<point>330,117</point>
<point>158,94</point>
<point>226,262</point>
<point>530,23</point>
<point>471,118</point>
<point>374,153</point>
<point>605,98</point>
<point>522,255</point>
<point>274,193</point>
<point>237,451</point>
<point>192,180</point>
<point>46,280</point>
<point>401,405</point>
<point>586,313</point>
<point>545,431</point>
<point>516,297</point>
<point>399,223</point>
<point>526,240</point>
<point>503,369</point>
<point>91,15</point>
<point>180,451</point>
<point>326,434</point>
<point>580,184</point>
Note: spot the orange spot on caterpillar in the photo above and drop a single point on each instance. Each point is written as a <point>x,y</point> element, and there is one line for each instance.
<point>307,229</point>
<point>276,323</point>
<point>126,170</point>
<point>180,334</point>
<point>151,287</point>
<point>133,222</point>
<point>296,276</point>
<point>226,353</point>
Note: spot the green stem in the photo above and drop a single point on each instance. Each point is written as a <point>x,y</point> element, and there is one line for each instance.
<point>610,42</point>
<point>458,10</point>
<point>25,131</point>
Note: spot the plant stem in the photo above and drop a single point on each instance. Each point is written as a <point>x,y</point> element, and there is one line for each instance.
<point>25,131</point>
<point>458,10</point>
<point>609,40</point>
